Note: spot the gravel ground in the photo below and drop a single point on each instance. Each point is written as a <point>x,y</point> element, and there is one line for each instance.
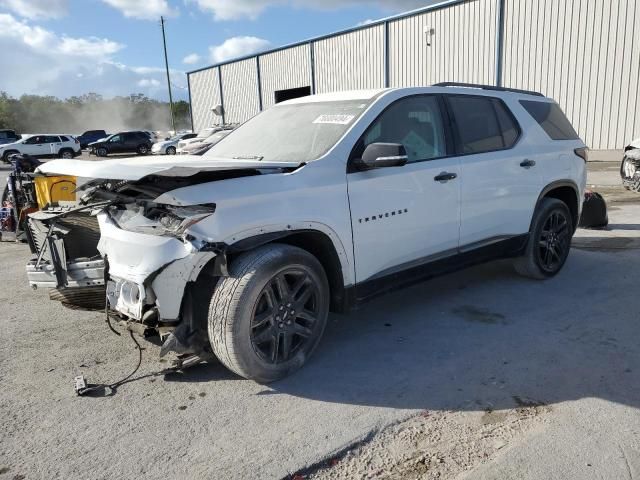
<point>480,374</point>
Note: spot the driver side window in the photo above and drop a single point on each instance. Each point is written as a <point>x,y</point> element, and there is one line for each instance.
<point>116,139</point>
<point>34,140</point>
<point>415,122</point>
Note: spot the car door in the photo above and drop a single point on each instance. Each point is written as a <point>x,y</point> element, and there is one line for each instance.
<point>53,143</point>
<point>131,142</point>
<point>36,146</point>
<point>499,183</point>
<point>116,143</point>
<point>405,216</point>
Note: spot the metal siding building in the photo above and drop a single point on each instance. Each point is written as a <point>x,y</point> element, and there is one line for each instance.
<point>583,53</point>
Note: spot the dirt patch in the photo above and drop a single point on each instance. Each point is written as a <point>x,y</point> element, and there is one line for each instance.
<point>435,445</point>
<point>480,315</point>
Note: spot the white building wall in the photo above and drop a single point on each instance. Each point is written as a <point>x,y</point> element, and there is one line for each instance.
<point>205,94</point>
<point>290,68</point>
<point>350,61</point>
<point>462,47</point>
<point>583,53</point>
<point>240,90</point>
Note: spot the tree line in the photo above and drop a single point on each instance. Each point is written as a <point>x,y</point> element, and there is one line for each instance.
<point>74,115</point>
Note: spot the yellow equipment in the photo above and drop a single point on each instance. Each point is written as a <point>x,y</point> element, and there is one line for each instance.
<point>55,189</point>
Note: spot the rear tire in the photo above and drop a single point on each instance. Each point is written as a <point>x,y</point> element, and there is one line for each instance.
<point>142,150</point>
<point>66,154</point>
<point>267,317</point>
<point>549,241</point>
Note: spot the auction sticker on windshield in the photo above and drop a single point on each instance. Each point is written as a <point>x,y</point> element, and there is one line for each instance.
<point>334,119</point>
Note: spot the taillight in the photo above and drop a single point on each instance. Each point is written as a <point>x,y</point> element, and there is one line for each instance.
<point>583,153</point>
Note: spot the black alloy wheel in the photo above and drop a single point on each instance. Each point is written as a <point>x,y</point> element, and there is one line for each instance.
<point>554,242</point>
<point>285,316</point>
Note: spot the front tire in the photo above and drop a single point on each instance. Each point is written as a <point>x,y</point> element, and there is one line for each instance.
<point>549,241</point>
<point>5,157</point>
<point>102,152</point>
<point>171,151</point>
<point>267,317</point>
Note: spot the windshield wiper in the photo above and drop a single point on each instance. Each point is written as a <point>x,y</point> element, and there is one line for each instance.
<point>248,157</point>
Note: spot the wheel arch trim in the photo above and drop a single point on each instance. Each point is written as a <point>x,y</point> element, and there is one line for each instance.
<point>554,186</point>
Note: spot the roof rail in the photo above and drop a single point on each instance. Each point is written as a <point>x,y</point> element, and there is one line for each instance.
<point>488,87</point>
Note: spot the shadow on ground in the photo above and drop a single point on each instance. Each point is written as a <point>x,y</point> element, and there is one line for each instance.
<point>481,338</point>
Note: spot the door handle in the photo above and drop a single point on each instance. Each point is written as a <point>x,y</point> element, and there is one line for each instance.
<point>527,163</point>
<point>445,177</point>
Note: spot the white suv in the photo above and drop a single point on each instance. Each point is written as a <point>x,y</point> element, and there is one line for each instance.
<point>244,251</point>
<point>42,145</point>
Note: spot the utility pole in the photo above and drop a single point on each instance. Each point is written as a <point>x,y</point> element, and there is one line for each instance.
<point>166,65</point>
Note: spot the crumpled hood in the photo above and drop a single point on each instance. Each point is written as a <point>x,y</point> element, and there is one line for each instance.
<point>136,168</point>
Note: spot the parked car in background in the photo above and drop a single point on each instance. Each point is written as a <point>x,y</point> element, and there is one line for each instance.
<point>200,147</point>
<point>42,146</point>
<point>123,142</point>
<point>630,168</point>
<point>202,134</point>
<point>91,136</point>
<point>8,136</point>
<point>243,252</point>
<point>169,147</point>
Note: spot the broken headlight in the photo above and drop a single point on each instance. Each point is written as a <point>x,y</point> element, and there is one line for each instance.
<point>159,219</point>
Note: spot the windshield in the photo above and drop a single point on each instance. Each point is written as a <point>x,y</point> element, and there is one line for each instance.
<point>299,132</point>
<point>216,137</point>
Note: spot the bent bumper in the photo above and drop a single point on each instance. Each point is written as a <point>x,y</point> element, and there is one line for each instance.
<point>148,271</point>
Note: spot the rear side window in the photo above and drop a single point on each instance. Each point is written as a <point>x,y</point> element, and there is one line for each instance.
<point>551,118</point>
<point>51,139</point>
<point>484,124</point>
<point>64,138</point>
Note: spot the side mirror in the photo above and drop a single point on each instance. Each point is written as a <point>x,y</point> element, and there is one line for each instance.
<point>381,155</point>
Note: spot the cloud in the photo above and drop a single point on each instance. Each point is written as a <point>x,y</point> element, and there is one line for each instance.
<point>252,9</point>
<point>37,8</point>
<point>145,10</point>
<point>44,63</point>
<point>191,59</point>
<point>237,47</point>
<point>148,82</point>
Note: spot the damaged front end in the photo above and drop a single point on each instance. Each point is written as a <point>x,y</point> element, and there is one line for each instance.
<point>124,251</point>
<point>66,260</point>
<point>630,170</point>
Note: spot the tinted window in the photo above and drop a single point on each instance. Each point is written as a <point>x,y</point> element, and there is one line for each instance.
<point>35,140</point>
<point>551,118</point>
<point>116,138</point>
<point>477,123</point>
<point>51,139</point>
<point>508,126</point>
<point>64,138</point>
<point>416,123</point>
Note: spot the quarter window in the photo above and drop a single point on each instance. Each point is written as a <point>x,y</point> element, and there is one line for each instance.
<point>551,118</point>
<point>483,124</point>
<point>416,123</point>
